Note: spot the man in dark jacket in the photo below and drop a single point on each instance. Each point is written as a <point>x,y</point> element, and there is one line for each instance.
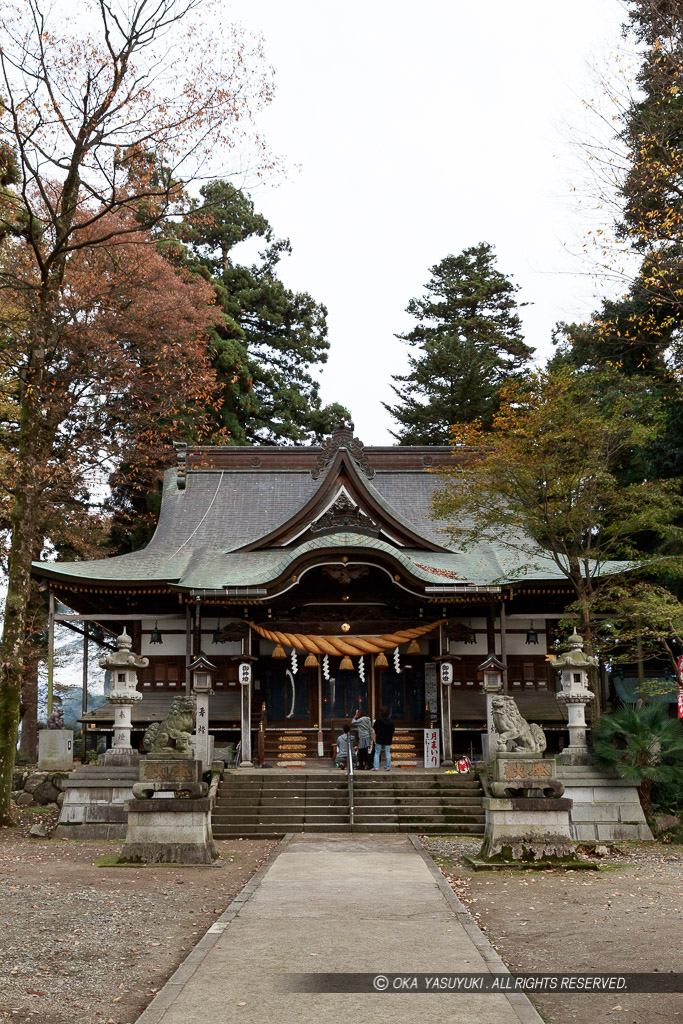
<point>384,734</point>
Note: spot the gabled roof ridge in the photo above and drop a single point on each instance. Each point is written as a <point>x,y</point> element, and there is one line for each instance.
<point>310,511</point>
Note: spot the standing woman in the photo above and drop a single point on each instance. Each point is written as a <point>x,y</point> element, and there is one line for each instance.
<point>364,728</point>
<point>384,734</point>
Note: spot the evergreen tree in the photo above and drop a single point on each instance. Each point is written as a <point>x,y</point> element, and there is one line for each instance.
<point>271,338</point>
<point>467,344</point>
<point>640,333</point>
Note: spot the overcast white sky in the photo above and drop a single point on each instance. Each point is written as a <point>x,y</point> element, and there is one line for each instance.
<point>420,129</point>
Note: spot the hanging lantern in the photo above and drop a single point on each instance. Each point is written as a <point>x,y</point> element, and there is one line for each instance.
<point>311,661</point>
<point>346,665</point>
<point>532,635</point>
<point>381,660</point>
<point>279,652</point>
<point>155,636</point>
<point>413,647</point>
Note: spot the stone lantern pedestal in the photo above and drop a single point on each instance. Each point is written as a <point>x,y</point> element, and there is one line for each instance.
<point>124,694</point>
<point>575,694</point>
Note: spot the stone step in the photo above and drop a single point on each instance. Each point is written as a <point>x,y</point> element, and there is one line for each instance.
<point>276,832</point>
<point>227,819</point>
<point>422,826</point>
<point>97,772</point>
<point>476,814</point>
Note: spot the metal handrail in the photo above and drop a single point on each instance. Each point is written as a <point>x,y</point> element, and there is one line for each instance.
<point>349,774</point>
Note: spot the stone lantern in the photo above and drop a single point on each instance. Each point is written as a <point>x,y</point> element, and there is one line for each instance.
<point>123,664</point>
<point>202,677</point>
<point>573,667</point>
<point>493,684</point>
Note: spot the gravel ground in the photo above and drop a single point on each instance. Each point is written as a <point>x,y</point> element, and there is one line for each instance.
<point>624,918</point>
<point>81,944</point>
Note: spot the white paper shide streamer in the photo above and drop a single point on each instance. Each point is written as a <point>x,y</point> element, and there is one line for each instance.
<point>361,669</point>
<point>397,660</point>
<point>295,663</point>
<point>326,666</point>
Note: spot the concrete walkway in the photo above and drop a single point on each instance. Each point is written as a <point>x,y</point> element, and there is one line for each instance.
<point>327,904</point>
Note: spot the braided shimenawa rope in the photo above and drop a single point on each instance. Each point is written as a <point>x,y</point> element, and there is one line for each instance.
<point>335,645</point>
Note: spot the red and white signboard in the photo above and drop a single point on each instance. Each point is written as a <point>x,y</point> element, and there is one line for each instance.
<point>432,750</point>
<point>680,687</point>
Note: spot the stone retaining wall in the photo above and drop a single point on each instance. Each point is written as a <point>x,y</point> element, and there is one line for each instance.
<point>44,788</point>
<point>606,808</point>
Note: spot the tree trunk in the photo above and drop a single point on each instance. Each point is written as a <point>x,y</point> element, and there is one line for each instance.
<point>645,794</point>
<point>24,542</point>
<point>29,709</point>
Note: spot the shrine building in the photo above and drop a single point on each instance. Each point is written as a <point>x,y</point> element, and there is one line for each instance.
<point>323,568</point>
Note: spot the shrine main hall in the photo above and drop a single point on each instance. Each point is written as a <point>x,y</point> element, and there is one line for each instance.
<point>324,569</point>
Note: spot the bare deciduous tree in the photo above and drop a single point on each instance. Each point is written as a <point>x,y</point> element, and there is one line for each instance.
<point>104,120</point>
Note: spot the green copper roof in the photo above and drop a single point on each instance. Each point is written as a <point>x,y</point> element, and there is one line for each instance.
<point>203,527</point>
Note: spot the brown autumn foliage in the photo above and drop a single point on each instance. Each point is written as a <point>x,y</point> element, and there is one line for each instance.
<point>128,361</point>
<point>127,358</point>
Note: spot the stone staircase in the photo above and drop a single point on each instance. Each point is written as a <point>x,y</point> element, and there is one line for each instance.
<point>261,805</point>
<point>437,803</point>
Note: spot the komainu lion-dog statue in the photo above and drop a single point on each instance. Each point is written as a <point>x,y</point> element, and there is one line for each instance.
<point>515,734</point>
<point>172,737</point>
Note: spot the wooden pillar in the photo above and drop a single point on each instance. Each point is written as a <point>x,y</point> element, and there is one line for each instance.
<point>504,645</point>
<point>84,700</point>
<point>197,627</point>
<point>245,706</point>
<point>445,701</point>
<point>50,652</point>
<point>245,727</point>
<point>446,724</point>
<point>490,628</point>
<point>188,648</point>
<point>321,747</point>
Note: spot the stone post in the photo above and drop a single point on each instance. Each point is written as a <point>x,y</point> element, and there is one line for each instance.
<point>202,671</point>
<point>124,694</point>
<point>574,667</point>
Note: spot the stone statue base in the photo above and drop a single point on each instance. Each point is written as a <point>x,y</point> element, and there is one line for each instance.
<point>531,829</point>
<point>168,830</point>
<point>527,819</point>
<point>121,757</point>
<point>170,818</point>
<point>519,774</point>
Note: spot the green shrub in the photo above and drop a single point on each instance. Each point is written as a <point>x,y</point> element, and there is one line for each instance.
<point>643,745</point>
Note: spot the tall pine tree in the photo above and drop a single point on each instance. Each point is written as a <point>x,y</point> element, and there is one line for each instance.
<point>272,339</point>
<point>467,343</point>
